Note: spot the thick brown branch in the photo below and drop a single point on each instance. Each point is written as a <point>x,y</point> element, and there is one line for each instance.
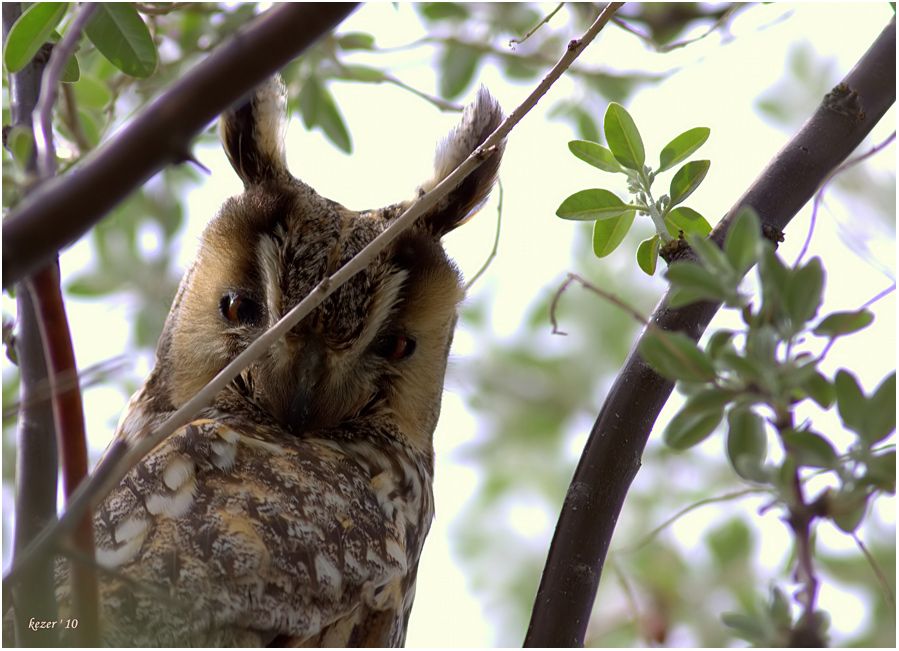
<point>68,416</point>
<point>612,454</point>
<point>65,208</point>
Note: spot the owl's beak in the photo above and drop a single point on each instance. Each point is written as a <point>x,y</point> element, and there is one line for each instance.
<point>298,381</point>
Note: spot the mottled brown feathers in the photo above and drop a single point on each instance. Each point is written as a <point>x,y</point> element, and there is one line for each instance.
<point>292,511</point>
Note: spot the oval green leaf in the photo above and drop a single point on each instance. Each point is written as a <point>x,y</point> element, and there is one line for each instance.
<point>809,448</point>
<point>681,147</point>
<point>687,429</point>
<point>880,418</point>
<point>608,233</point>
<point>803,296</point>
<point>92,93</point>
<point>648,254</point>
<point>675,356</point>
<point>457,68</point>
<point>594,154</point>
<point>687,220</point>
<point>71,72</point>
<point>687,179</point>
<point>121,36</point>
<point>747,443</point>
<point>844,323</point>
<point>30,32</point>
<point>592,204</point>
<point>741,244</point>
<point>698,282</point>
<point>623,138</point>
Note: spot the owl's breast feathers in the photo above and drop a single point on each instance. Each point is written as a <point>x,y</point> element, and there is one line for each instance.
<point>231,536</point>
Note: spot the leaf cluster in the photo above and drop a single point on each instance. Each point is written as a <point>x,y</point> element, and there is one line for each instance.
<point>626,154</point>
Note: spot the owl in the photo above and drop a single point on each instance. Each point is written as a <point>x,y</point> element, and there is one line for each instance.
<point>292,511</point>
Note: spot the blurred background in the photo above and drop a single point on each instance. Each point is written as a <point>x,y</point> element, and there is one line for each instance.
<point>367,107</point>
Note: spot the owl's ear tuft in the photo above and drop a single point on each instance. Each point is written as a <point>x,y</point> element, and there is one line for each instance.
<point>480,119</point>
<point>252,133</point>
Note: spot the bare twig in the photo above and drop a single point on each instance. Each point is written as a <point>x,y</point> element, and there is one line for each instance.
<point>820,195</point>
<point>614,300</point>
<point>652,535</point>
<point>492,255</point>
<point>532,31</point>
<point>662,49</point>
<point>885,587</point>
<point>120,459</point>
<point>43,114</point>
<point>439,102</point>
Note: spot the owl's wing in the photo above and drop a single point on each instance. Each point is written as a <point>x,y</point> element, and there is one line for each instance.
<point>223,537</point>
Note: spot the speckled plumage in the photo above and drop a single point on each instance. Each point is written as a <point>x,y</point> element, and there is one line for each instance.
<point>292,511</point>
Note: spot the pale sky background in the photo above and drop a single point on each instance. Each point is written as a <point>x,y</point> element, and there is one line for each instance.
<point>394,134</point>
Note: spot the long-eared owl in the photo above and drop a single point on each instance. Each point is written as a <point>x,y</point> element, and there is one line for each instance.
<point>292,510</point>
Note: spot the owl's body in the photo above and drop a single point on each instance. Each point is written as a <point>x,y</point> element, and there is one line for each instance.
<point>292,511</point>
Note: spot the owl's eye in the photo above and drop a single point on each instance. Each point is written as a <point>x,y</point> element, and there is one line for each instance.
<point>239,310</point>
<point>395,347</point>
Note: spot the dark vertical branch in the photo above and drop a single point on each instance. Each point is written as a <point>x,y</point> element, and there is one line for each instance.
<point>36,457</point>
<point>612,454</point>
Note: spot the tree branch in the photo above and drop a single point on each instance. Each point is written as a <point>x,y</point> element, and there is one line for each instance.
<point>66,207</point>
<point>121,457</point>
<point>612,454</point>
<point>36,457</point>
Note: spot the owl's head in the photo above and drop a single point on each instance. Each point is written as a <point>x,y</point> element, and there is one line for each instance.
<point>378,345</point>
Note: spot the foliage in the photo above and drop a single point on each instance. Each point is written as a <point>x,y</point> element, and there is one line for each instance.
<point>754,379</point>
<point>626,155</point>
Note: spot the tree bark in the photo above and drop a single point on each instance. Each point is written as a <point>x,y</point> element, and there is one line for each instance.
<point>611,457</point>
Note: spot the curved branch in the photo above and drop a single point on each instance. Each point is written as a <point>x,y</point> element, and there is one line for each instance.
<point>612,454</point>
<point>66,207</point>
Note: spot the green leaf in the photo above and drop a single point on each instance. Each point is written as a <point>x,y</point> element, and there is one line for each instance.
<point>623,138</point>
<point>851,402</point>
<point>356,41</point>
<point>592,204</point>
<point>365,74</point>
<point>30,31</point>
<point>882,471</point>
<point>713,258</point>
<point>809,448</point>
<point>803,295</point>
<point>687,220</point>
<point>880,418</point>
<point>675,356</point>
<point>648,254</point>
<point>719,341</point>
<point>92,93</point>
<point>688,428</point>
<point>747,443</point>
<point>457,68</point>
<point>687,179</point>
<point>594,154</point>
<point>608,233</point>
<point>847,509</point>
<point>843,323</point>
<point>121,36</point>
<point>694,283</point>
<point>741,244</point>
<point>746,627</point>
<point>318,108</point>
<point>20,143</point>
<point>71,72</point>
<point>435,11</point>
<point>681,147</point>
<point>819,388</point>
